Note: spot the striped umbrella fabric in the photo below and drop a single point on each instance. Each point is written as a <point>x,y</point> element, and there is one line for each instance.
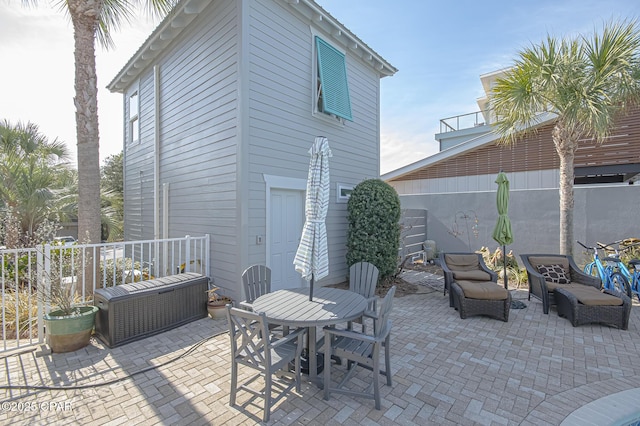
<point>312,260</point>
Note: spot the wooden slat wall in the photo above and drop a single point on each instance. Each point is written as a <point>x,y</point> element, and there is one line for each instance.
<point>537,152</point>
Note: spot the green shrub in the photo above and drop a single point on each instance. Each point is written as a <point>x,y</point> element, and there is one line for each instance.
<point>373,213</point>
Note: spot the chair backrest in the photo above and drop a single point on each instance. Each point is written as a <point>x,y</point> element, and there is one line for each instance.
<point>256,280</point>
<point>363,278</point>
<point>384,324</point>
<point>536,260</point>
<point>463,262</point>
<point>249,338</point>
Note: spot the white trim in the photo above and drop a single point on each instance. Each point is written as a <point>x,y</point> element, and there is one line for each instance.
<point>277,182</point>
<point>340,187</point>
<point>133,120</point>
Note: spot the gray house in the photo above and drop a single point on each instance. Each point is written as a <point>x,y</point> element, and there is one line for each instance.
<point>221,105</point>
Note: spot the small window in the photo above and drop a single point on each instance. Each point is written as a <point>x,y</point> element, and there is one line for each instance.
<point>332,88</point>
<point>134,114</point>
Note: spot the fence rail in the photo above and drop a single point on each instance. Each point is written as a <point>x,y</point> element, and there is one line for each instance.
<point>28,274</point>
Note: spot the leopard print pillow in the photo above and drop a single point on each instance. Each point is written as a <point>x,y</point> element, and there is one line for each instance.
<point>554,273</point>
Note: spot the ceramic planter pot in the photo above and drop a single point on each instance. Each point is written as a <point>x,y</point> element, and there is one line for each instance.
<point>68,333</point>
<point>216,308</point>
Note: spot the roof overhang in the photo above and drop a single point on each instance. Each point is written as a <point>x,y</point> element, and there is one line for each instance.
<point>323,19</point>
<point>170,27</point>
<point>477,142</point>
<point>187,10</point>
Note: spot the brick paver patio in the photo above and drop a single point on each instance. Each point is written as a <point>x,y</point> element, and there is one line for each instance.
<point>534,370</point>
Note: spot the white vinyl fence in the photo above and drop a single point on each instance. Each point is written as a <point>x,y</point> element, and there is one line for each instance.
<point>27,274</point>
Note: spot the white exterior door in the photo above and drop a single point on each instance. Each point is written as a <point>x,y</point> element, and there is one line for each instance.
<point>287,219</point>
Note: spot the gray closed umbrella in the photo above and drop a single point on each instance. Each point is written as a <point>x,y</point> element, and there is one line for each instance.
<point>312,260</point>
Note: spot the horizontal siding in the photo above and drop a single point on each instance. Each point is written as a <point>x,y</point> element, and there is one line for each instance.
<point>282,127</point>
<point>198,138</point>
<point>138,173</point>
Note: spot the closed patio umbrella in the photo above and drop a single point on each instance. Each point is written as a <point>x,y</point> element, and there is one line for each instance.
<point>312,260</point>
<point>502,232</point>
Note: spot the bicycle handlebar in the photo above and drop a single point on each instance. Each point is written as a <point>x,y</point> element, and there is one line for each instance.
<point>588,248</point>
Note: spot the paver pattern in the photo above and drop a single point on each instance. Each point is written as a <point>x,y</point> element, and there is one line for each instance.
<point>534,370</point>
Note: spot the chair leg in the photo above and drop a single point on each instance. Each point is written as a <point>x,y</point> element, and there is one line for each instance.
<point>376,376</point>
<point>297,365</point>
<point>387,361</point>
<point>327,367</point>
<point>267,396</point>
<point>234,383</point>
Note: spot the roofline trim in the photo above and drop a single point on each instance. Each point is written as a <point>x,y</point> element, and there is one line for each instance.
<point>473,143</point>
<point>187,10</point>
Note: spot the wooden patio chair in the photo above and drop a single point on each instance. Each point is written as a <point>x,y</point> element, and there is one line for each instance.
<point>256,280</point>
<point>253,347</point>
<point>363,279</point>
<point>360,349</point>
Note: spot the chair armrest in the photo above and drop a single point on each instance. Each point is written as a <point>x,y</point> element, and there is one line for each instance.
<point>289,337</point>
<point>536,278</point>
<point>328,331</point>
<point>246,305</point>
<point>370,314</point>
<point>580,277</point>
<point>492,273</point>
<point>372,304</point>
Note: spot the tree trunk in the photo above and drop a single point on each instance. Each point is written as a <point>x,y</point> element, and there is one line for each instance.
<point>566,142</point>
<point>85,17</point>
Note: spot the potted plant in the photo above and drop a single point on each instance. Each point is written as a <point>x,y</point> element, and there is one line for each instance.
<point>216,303</point>
<point>69,323</point>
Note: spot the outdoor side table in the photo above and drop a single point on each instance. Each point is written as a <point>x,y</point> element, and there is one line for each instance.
<point>291,307</point>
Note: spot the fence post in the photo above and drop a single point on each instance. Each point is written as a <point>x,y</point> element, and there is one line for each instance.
<point>207,249</point>
<point>187,253</point>
<point>43,287</point>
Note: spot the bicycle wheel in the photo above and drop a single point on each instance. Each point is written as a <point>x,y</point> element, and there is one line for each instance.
<point>620,283</point>
<point>590,269</point>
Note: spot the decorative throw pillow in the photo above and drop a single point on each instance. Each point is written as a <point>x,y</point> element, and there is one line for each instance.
<point>554,273</point>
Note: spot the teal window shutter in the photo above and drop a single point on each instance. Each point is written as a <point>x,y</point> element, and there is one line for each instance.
<point>332,70</point>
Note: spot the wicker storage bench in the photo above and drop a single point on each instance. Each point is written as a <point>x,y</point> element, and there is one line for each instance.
<point>130,312</point>
<point>614,312</point>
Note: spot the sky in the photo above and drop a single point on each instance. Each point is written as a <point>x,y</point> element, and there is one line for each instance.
<point>440,48</point>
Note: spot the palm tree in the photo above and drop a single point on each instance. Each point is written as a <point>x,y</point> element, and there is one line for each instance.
<point>31,171</point>
<point>585,82</point>
<point>94,19</point>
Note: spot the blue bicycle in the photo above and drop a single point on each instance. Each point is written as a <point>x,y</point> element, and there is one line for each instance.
<point>632,270</point>
<point>609,269</point>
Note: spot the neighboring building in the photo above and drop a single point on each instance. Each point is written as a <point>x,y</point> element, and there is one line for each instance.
<point>221,105</point>
<point>461,179</point>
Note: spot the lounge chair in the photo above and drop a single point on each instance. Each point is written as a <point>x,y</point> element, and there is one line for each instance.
<point>472,286</point>
<point>556,280</point>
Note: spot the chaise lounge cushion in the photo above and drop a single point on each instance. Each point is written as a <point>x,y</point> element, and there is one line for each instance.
<point>592,297</point>
<point>483,290</point>
<point>475,275</point>
<point>554,273</point>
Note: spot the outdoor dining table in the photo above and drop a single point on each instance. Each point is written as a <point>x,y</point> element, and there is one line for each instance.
<point>292,308</point>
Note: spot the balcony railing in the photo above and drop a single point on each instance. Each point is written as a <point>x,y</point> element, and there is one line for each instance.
<point>26,274</point>
<point>460,122</point>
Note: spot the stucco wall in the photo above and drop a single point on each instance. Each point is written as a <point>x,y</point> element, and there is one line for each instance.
<point>601,213</point>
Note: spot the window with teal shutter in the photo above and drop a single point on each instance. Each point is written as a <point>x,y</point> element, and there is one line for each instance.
<point>333,90</point>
